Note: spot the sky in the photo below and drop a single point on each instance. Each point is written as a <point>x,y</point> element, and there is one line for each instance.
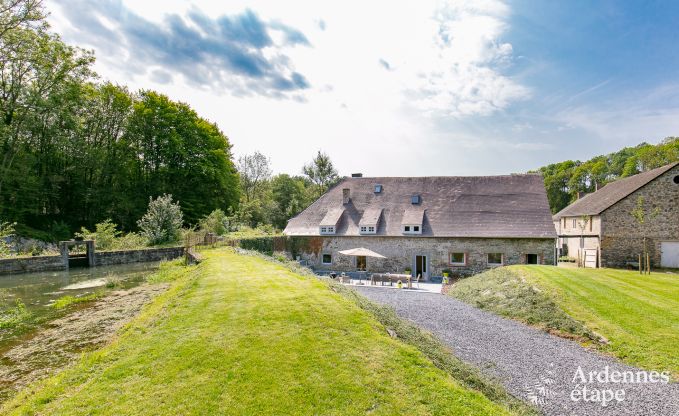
<point>399,88</point>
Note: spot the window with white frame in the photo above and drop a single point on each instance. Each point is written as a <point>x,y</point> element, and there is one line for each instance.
<point>412,229</point>
<point>368,229</point>
<point>327,229</point>
<point>495,259</point>
<point>458,259</point>
<point>327,259</point>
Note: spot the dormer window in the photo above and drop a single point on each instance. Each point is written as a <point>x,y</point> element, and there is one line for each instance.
<point>327,229</point>
<point>368,229</point>
<point>415,199</point>
<point>412,229</point>
<point>378,189</point>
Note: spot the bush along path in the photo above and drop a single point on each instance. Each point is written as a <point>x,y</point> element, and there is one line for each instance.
<point>549,371</point>
<point>242,335</point>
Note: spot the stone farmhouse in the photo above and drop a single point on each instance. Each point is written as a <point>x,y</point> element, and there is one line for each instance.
<point>428,224</point>
<point>600,230</point>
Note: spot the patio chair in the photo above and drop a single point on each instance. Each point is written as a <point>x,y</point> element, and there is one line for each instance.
<point>417,280</point>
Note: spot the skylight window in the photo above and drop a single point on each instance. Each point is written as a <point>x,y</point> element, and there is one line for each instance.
<point>415,199</point>
<point>378,189</point>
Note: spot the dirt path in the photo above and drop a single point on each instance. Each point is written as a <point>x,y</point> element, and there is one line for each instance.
<point>61,341</point>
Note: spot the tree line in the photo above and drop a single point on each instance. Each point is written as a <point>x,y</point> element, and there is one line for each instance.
<point>565,180</point>
<point>270,200</point>
<point>76,151</point>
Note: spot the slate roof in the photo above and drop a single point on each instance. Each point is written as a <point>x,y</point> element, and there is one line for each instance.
<point>371,216</point>
<point>599,201</point>
<point>511,206</point>
<point>332,216</point>
<point>413,216</point>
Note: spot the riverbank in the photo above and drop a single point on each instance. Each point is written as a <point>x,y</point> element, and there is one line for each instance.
<point>42,353</point>
<point>242,335</point>
<point>69,315</point>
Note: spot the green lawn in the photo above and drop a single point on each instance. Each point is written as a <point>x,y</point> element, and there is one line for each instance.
<point>637,314</point>
<point>241,335</point>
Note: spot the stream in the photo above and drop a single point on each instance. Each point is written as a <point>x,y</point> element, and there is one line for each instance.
<point>52,338</point>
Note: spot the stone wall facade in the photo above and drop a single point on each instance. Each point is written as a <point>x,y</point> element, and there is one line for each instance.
<point>107,258</point>
<point>622,236</point>
<point>31,264</point>
<point>401,252</point>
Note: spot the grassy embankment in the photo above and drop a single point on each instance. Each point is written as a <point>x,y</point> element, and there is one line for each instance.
<point>637,315</point>
<point>242,335</point>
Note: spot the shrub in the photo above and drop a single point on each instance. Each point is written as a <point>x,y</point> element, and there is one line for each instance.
<point>104,237</point>
<point>262,244</point>
<point>162,222</point>
<point>216,222</point>
<point>66,301</point>
<point>14,316</point>
<point>6,230</point>
<point>129,241</point>
<point>107,237</point>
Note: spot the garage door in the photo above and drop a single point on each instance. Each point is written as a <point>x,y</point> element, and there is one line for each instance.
<point>669,254</point>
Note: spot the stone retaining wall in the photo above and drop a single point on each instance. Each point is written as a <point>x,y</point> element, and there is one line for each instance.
<point>102,258</point>
<point>31,264</point>
<point>107,258</point>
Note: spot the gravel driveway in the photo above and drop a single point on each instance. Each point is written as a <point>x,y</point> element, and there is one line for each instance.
<point>532,364</point>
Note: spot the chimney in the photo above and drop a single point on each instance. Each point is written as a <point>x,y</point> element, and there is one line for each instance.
<point>346,193</point>
<point>356,175</point>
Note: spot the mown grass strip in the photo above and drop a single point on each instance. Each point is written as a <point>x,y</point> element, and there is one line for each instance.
<point>633,317</point>
<point>241,335</point>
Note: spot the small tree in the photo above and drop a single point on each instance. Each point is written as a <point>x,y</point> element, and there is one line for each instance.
<point>254,170</point>
<point>162,222</point>
<point>643,216</point>
<point>6,230</point>
<point>216,222</point>
<point>104,237</point>
<point>321,172</point>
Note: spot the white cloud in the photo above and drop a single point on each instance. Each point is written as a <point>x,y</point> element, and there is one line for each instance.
<point>461,76</point>
<point>445,59</point>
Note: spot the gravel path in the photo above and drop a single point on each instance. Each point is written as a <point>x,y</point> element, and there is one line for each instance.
<point>532,364</point>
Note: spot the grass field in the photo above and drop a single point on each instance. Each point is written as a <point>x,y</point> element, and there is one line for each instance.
<point>637,314</point>
<point>241,335</point>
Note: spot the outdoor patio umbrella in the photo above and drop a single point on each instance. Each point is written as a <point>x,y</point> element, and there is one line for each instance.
<point>361,252</point>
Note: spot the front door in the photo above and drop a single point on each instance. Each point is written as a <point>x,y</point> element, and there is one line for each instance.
<point>421,267</point>
<point>361,263</point>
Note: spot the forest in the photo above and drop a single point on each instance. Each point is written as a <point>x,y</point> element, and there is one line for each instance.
<point>564,180</point>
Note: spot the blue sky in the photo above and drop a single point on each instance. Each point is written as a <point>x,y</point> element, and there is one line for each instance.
<point>398,88</point>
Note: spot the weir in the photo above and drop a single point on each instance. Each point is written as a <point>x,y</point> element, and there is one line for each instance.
<point>77,259</point>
